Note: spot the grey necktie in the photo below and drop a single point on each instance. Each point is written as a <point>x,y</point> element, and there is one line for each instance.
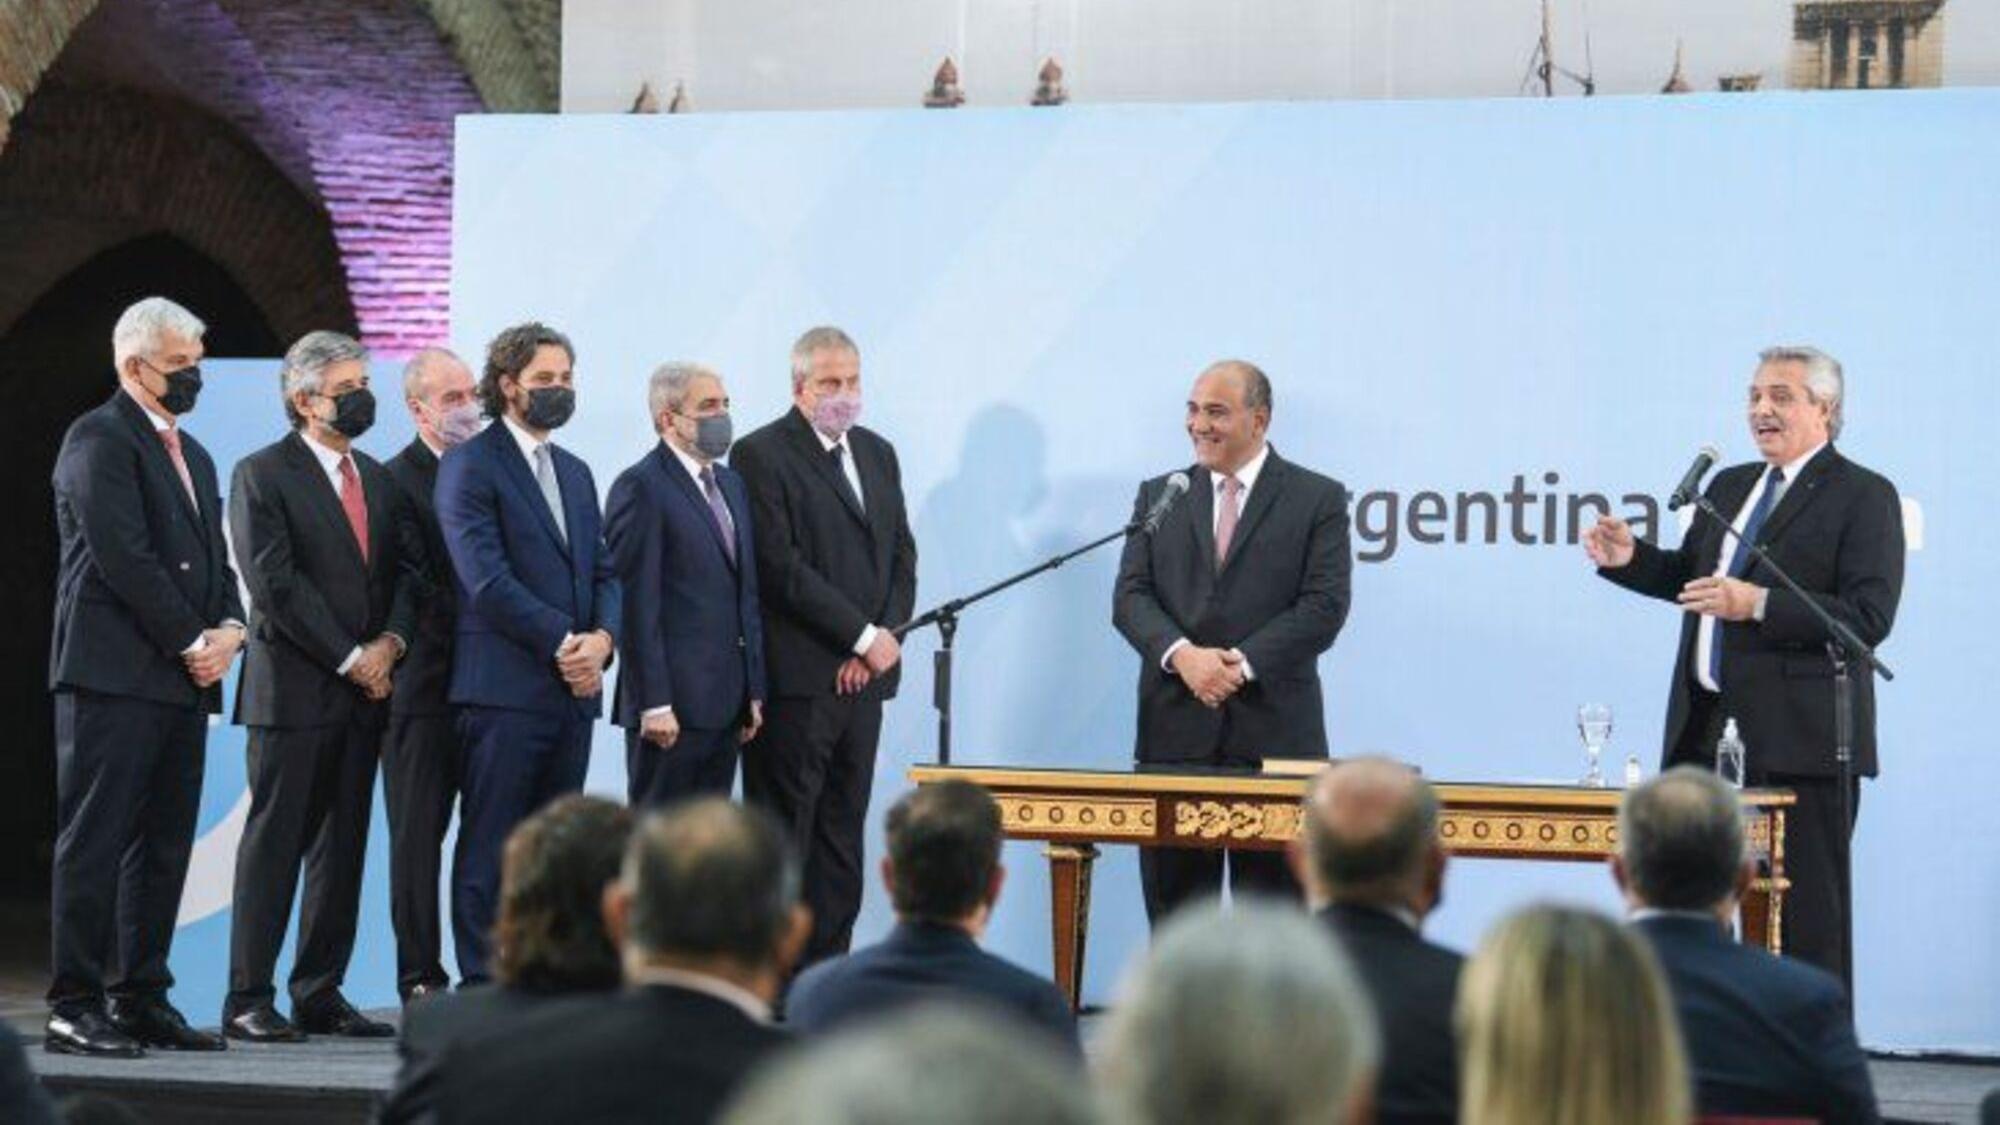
<point>545,475</point>
<point>720,511</point>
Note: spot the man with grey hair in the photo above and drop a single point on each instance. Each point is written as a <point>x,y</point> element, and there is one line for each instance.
<point>1373,869</point>
<point>420,749</point>
<point>1295,1043</point>
<point>147,623</point>
<point>1751,650</point>
<point>707,915</point>
<point>678,524</point>
<point>1230,601</point>
<point>1767,1036</point>
<point>329,556</point>
<point>836,570</point>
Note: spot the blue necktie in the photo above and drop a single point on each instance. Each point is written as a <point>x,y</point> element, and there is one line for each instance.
<point>1739,562</point>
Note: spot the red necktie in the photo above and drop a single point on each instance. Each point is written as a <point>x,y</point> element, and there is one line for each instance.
<point>172,438</point>
<point>354,504</point>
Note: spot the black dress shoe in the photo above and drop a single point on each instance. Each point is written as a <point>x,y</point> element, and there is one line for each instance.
<point>88,1031</point>
<point>157,1023</point>
<point>421,992</point>
<point>330,1014</point>
<point>261,1024</point>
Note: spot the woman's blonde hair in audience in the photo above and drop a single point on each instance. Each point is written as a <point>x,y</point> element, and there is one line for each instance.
<point>1564,1019</point>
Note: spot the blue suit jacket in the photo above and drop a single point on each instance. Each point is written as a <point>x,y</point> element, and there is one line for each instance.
<point>521,589</point>
<point>691,639</point>
<point>1765,1035</point>
<point>925,961</point>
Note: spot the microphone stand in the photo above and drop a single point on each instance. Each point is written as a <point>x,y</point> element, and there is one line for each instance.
<point>1843,648</point>
<point>945,617</point>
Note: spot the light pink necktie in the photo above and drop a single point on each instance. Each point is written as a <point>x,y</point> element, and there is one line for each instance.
<point>1225,520</point>
<point>172,438</point>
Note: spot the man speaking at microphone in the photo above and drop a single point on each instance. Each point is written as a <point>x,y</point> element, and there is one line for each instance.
<point>1230,600</point>
<point>1751,650</point>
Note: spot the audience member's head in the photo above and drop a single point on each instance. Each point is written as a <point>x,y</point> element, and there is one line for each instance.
<point>974,1068</point>
<point>712,887</point>
<point>1680,844</point>
<point>550,934</point>
<point>1371,837</point>
<point>943,864</point>
<point>1248,1016</point>
<point>1563,1019</point>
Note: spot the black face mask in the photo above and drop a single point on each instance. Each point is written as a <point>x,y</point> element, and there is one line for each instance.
<point>353,412</point>
<point>183,387</point>
<point>549,407</point>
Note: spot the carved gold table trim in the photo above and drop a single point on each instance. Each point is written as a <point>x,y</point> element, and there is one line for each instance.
<point>1073,811</point>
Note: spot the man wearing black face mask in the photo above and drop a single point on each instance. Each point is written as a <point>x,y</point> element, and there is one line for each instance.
<point>678,524</point>
<point>538,610</point>
<point>147,624</point>
<point>330,558</point>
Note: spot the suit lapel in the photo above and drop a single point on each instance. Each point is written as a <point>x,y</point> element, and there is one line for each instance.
<point>679,480</point>
<point>1263,497</point>
<point>808,444</point>
<point>1730,503</point>
<point>515,467</point>
<point>874,482</point>
<point>1800,495</point>
<point>1201,515</point>
<point>321,497</point>
<point>154,450</point>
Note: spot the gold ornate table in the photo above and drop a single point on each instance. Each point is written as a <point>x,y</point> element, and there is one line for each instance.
<point>1073,811</point>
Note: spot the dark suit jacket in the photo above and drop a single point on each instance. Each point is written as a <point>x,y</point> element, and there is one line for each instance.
<point>825,570</point>
<point>22,1099</point>
<point>431,1026</point>
<point>1765,1035</point>
<point>521,588</point>
<point>312,597</point>
<point>692,638</point>
<point>1839,532</point>
<point>423,679</point>
<point>1281,597</point>
<point>653,1053</point>
<point>1414,985</point>
<point>142,571</point>
<point>924,961</point>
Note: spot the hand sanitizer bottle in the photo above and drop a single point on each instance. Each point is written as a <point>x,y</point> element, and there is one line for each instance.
<point>1729,755</point>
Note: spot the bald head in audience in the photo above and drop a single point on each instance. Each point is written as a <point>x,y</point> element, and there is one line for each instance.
<point>1370,839</point>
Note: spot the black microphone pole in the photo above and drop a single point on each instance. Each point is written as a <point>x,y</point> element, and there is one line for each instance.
<point>1842,647</point>
<point>945,617</point>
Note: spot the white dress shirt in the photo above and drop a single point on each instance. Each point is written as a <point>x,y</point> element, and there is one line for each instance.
<point>1704,636</point>
<point>529,445</point>
<point>867,639</point>
<point>1247,476</point>
<point>744,1000</point>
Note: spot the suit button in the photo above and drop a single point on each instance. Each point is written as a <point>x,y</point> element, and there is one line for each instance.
<point>740,644</point>
<point>184,566</point>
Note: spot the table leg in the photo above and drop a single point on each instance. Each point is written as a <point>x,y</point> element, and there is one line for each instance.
<point>1069,910</point>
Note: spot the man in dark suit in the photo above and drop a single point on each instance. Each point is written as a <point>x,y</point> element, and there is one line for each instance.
<point>558,863</point>
<point>1766,1036</point>
<point>420,751</point>
<point>836,568</point>
<point>678,525</point>
<point>1373,870</point>
<point>147,623</point>
<point>944,875</point>
<point>708,915</point>
<point>1752,651</point>
<point>1230,602</point>
<point>537,614</point>
<point>329,557</point>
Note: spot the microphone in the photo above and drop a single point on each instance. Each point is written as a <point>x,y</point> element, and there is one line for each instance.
<point>1690,484</point>
<point>1177,486</point>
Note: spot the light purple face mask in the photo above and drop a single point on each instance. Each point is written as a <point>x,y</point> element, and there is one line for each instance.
<point>834,415</point>
<point>458,424</point>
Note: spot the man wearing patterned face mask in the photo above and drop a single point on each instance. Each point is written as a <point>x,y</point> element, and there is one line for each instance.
<point>327,553</point>
<point>836,566</point>
<point>678,524</point>
<point>538,613</point>
<point>419,753</point>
